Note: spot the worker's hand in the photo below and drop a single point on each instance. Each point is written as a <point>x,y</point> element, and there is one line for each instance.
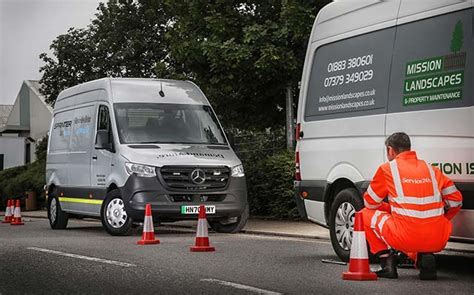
<point>446,207</point>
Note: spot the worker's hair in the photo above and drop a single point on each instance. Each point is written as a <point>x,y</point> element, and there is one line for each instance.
<point>399,141</point>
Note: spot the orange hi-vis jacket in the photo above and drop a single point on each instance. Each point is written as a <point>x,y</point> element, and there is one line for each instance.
<point>421,201</point>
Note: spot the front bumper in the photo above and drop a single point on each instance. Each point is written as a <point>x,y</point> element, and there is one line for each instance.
<point>166,204</point>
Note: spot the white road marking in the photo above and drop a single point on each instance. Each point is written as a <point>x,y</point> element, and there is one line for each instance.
<point>118,263</point>
<point>241,287</point>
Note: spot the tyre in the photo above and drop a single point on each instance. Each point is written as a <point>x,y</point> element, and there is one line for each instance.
<point>221,226</point>
<point>341,222</point>
<point>57,217</point>
<point>114,218</point>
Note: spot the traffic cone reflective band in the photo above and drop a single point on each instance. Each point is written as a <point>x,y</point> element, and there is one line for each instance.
<point>359,269</point>
<point>148,237</point>
<point>17,215</point>
<point>202,235</point>
<point>8,213</point>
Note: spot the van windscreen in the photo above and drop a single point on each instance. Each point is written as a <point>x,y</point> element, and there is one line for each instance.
<point>167,123</point>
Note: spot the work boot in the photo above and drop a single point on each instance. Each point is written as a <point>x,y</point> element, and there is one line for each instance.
<point>388,262</point>
<point>426,262</point>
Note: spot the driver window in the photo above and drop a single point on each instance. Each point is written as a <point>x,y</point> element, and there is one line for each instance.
<point>103,121</point>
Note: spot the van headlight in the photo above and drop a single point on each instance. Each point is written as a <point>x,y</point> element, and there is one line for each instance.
<point>238,171</point>
<point>140,170</point>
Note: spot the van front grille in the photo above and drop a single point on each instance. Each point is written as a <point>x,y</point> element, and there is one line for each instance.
<point>195,178</point>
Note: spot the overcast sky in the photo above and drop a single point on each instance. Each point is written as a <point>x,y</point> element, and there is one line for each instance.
<point>27,28</point>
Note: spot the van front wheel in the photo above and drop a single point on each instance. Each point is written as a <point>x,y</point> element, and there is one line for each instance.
<point>114,217</point>
<point>58,219</point>
<point>341,222</point>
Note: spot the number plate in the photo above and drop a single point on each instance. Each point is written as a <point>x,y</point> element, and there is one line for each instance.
<point>195,209</point>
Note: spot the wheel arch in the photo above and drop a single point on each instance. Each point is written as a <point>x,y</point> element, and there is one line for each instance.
<point>332,190</point>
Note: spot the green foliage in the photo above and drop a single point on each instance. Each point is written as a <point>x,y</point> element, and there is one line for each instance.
<point>458,37</point>
<point>243,54</point>
<point>16,181</point>
<point>126,39</point>
<point>42,149</point>
<point>270,186</point>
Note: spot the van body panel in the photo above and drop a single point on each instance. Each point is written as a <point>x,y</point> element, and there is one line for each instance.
<point>340,17</point>
<point>143,90</point>
<point>415,10</point>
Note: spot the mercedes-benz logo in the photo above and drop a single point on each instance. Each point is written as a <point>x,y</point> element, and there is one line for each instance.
<point>198,176</point>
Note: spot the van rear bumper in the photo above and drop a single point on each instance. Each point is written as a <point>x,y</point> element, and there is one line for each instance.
<point>166,204</point>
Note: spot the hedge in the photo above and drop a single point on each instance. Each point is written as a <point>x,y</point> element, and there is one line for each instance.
<point>16,181</point>
<point>270,186</point>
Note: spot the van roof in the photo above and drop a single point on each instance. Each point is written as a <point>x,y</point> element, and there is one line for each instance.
<point>352,17</point>
<point>139,90</point>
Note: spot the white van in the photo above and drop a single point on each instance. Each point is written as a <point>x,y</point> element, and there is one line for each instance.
<point>117,144</point>
<point>373,68</point>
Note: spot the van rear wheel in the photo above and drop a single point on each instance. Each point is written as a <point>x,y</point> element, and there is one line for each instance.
<point>233,227</point>
<point>341,222</point>
<point>114,217</point>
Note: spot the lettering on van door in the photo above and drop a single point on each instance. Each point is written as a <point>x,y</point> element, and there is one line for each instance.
<point>431,61</point>
<point>437,79</point>
<point>455,168</point>
<point>349,77</point>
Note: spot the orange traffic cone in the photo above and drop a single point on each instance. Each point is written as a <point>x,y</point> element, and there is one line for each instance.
<point>202,236</point>
<point>17,216</point>
<point>148,237</point>
<point>359,269</point>
<point>8,213</point>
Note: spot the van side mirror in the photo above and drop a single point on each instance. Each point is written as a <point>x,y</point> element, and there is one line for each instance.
<point>102,141</point>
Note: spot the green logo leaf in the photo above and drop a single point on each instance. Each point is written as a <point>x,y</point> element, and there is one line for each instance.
<point>458,37</point>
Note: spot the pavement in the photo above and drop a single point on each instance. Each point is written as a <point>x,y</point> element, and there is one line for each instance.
<point>278,228</point>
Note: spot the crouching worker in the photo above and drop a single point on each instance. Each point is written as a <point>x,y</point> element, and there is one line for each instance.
<point>421,201</point>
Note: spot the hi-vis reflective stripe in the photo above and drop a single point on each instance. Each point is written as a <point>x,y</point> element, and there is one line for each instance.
<point>373,221</point>
<point>373,195</point>
<point>417,200</point>
<point>359,246</point>
<point>417,213</point>
<point>433,180</point>
<point>370,206</point>
<point>449,190</point>
<point>401,199</point>
<point>454,203</point>
<point>82,201</point>
<point>396,178</point>
<point>382,222</point>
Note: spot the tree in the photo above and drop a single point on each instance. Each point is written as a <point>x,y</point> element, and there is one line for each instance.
<point>126,39</point>
<point>458,36</point>
<point>243,54</point>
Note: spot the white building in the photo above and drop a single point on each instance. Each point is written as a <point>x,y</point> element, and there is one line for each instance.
<point>27,123</point>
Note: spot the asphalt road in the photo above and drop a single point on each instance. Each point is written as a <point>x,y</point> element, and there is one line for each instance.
<point>84,259</point>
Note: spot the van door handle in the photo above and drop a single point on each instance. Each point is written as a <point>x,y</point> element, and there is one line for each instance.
<point>94,157</point>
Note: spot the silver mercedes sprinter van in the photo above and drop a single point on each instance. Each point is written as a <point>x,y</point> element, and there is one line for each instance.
<point>117,144</point>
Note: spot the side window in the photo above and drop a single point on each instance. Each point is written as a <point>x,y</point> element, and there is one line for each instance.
<point>103,120</point>
<point>350,77</point>
<point>82,129</point>
<point>432,64</point>
<point>61,132</point>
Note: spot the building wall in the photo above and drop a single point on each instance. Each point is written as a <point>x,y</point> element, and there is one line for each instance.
<point>40,117</point>
<point>13,150</point>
